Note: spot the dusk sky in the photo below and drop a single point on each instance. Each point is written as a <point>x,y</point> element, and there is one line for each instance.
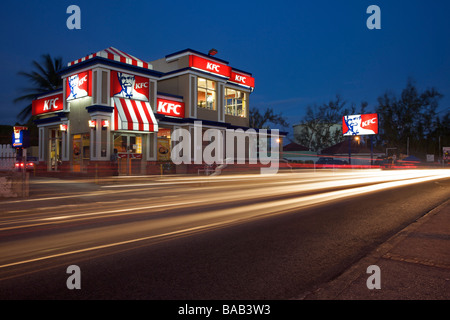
<point>300,52</point>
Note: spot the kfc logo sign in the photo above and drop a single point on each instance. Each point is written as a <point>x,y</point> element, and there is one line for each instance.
<point>77,86</point>
<point>50,104</point>
<point>141,85</point>
<point>242,79</point>
<point>203,64</point>
<point>82,80</point>
<point>369,122</point>
<point>360,124</point>
<point>170,108</point>
<point>47,104</point>
<point>213,67</point>
<point>209,66</point>
<point>129,86</point>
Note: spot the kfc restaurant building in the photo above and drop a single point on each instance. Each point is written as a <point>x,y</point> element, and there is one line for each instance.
<point>116,106</point>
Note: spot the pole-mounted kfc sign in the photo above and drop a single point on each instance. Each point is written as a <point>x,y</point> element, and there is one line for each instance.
<point>360,124</point>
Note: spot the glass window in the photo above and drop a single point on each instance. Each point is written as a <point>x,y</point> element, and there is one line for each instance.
<point>206,94</point>
<point>164,133</point>
<point>86,144</point>
<point>235,103</point>
<point>120,143</point>
<point>128,143</point>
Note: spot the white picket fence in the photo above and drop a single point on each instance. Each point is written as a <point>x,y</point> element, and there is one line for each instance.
<point>7,157</point>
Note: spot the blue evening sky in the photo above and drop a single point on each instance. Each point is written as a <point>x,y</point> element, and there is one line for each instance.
<point>300,52</point>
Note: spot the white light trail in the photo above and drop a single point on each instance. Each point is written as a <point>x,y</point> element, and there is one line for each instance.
<point>216,216</point>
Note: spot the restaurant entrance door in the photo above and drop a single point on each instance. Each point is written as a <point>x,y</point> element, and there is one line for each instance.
<point>129,151</point>
<point>55,147</point>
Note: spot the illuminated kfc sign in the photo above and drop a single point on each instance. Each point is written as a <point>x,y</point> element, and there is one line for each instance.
<point>360,124</point>
<point>124,85</point>
<point>170,108</point>
<point>48,104</point>
<point>242,79</point>
<point>216,68</point>
<point>77,86</point>
<point>209,66</point>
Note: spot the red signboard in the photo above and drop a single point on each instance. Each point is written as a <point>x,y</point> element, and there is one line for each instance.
<point>242,78</point>
<point>360,124</point>
<point>48,104</point>
<point>170,108</point>
<point>209,66</point>
<point>125,85</point>
<point>78,85</point>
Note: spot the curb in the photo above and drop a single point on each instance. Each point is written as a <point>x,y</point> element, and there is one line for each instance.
<point>343,282</point>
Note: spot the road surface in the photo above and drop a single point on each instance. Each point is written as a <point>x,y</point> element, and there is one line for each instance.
<point>231,237</point>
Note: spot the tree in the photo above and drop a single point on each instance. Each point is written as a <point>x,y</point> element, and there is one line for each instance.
<point>44,78</point>
<point>409,122</point>
<point>440,135</point>
<point>259,120</point>
<point>321,127</point>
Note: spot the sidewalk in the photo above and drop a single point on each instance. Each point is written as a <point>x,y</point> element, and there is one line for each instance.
<point>414,265</point>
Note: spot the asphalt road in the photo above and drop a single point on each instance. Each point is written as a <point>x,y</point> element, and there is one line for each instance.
<point>241,237</point>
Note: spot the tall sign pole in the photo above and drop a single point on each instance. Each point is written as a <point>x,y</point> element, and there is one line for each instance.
<point>350,150</point>
<point>371,150</point>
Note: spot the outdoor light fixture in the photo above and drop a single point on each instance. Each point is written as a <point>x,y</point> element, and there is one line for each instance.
<point>105,123</point>
<point>92,123</point>
<point>63,127</point>
<point>212,52</point>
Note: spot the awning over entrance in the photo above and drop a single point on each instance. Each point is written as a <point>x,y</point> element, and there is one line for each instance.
<point>133,115</point>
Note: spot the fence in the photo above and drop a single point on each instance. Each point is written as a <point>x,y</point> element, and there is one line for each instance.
<point>7,157</point>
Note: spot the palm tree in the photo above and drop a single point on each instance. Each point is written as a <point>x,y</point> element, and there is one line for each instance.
<point>45,78</point>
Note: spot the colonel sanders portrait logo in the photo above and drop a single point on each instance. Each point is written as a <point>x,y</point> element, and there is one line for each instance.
<point>358,125</point>
<point>77,86</point>
<point>130,86</point>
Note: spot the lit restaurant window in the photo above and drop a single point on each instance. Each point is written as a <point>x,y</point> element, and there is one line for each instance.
<point>206,94</point>
<point>235,103</point>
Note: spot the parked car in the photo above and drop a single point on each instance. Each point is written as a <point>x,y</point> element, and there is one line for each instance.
<point>331,161</point>
<point>30,164</point>
<point>324,160</point>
